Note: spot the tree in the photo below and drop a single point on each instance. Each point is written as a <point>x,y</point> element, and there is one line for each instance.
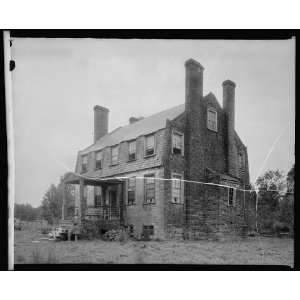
<point>53,200</point>
<point>271,187</point>
<point>25,212</point>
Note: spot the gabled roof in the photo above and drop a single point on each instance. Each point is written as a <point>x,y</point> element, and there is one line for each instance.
<point>144,126</point>
<point>132,131</point>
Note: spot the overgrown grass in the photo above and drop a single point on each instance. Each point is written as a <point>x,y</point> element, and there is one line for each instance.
<point>252,250</point>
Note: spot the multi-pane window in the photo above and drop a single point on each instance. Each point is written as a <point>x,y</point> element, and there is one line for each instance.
<point>98,160</point>
<point>177,143</point>
<point>84,164</point>
<point>149,145</point>
<point>131,191</point>
<point>149,187</point>
<point>114,155</point>
<point>231,196</point>
<point>132,150</point>
<point>98,196</point>
<point>212,119</point>
<point>177,187</point>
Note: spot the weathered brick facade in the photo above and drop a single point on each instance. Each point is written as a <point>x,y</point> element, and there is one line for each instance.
<point>208,155</point>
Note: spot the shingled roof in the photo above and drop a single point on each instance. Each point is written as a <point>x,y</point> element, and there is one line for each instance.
<point>132,131</point>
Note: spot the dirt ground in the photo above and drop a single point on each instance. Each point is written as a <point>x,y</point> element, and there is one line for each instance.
<point>34,247</point>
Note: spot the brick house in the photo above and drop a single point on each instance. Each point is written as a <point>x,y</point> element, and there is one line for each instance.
<point>124,174</point>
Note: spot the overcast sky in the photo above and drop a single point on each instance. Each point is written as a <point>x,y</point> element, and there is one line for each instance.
<point>57,82</point>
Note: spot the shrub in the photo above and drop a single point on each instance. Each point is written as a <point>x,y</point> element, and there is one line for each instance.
<point>90,230</point>
<point>114,235</point>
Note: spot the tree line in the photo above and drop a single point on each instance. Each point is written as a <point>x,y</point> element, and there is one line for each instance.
<point>51,207</point>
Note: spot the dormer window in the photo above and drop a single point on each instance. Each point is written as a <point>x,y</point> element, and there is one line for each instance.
<point>149,145</point>
<point>84,164</point>
<point>212,120</point>
<point>114,155</point>
<point>132,150</point>
<point>98,160</point>
<point>177,143</point>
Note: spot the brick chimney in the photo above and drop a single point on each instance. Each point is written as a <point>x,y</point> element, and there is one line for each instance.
<point>193,108</point>
<point>100,122</point>
<point>229,109</point>
<point>193,146</point>
<point>134,119</point>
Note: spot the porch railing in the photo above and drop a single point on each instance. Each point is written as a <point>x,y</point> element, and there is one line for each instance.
<point>103,212</point>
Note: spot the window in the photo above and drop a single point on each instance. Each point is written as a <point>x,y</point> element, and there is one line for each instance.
<point>231,196</point>
<point>149,189</point>
<point>85,192</point>
<point>148,229</point>
<point>131,191</point>
<point>114,155</point>
<point>177,188</point>
<point>98,160</point>
<point>132,150</point>
<point>212,120</point>
<point>98,196</point>
<point>84,163</point>
<point>177,143</point>
<point>241,162</point>
<point>149,147</point>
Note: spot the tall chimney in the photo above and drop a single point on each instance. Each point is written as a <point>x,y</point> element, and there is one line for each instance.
<point>100,122</point>
<point>193,84</point>
<point>229,108</point>
<point>193,108</point>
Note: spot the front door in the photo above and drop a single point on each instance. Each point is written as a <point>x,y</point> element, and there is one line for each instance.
<point>114,212</point>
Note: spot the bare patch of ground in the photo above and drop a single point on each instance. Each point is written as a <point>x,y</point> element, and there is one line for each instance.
<point>33,247</point>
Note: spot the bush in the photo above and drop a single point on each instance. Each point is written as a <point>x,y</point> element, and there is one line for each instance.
<point>90,230</point>
<point>115,235</point>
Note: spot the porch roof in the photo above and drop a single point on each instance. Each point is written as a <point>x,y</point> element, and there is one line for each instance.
<point>75,179</point>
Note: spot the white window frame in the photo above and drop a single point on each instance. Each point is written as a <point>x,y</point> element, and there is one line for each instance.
<point>129,152</point>
<point>233,196</point>
<point>130,189</point>
<point>208,123</point>
<point>96,153</point>
<point>181,195</point>
<point>154,144</point>
<point>149,176</point>
<point>84,163</point>
<point>175,132</point>
<point>111,155</point>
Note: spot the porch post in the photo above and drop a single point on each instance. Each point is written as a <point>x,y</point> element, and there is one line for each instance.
<point>82,200</point>
<point>63,201</point>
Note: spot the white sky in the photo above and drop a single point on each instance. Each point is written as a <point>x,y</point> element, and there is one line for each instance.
<point>57,82</point>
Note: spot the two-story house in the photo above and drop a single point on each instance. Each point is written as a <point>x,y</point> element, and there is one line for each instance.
<point>177,173</point>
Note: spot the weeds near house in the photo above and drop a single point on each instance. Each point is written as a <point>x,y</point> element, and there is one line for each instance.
<point>52,259</point>
<point>36,256</point>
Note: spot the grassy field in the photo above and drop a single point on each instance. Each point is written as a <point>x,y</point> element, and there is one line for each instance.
<point>33,247</point>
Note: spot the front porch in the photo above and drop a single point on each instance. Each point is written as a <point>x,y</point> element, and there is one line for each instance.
<point>98,200</point>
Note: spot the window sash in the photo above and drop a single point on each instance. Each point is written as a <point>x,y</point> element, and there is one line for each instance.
<point>132,147</point>
<point>231,196</point>
<point>177,141</point>
<point>212,119</point>
<point>84,159</point>
<point>177,189</point>
<point>150,142</point>
<point>149,186</point>
<point>114,154</point>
